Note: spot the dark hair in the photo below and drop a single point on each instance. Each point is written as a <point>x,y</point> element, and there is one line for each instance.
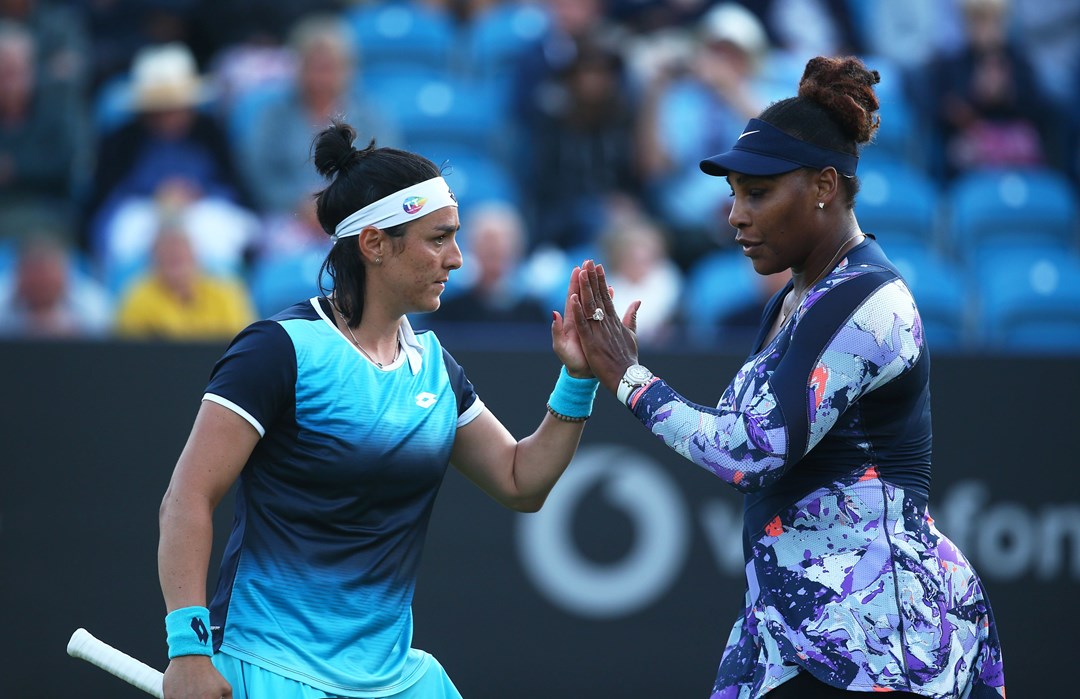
<point>358,178</point>
<point>834,109</point>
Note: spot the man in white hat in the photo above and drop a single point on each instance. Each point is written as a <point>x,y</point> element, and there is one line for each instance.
<point>172,160</point>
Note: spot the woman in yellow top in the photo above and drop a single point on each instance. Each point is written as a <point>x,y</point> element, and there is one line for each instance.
<point>178,300</point>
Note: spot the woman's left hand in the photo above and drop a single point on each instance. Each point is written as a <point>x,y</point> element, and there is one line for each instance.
<point>609,344</point>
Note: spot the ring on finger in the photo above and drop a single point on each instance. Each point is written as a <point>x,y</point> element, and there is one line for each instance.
<point>598,314</point>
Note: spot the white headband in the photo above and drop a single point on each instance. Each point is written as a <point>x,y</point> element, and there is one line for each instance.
<point>400,207</point>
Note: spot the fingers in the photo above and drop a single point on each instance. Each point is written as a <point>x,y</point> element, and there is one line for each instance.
<point>601,282</point>
<point>630,317</point>
<point>574,285</point>
<point>587,292</point>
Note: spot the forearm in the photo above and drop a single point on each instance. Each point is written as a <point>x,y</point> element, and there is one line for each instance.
<point>748,449</point>
<point>540,460</point>
<point>184,546</point>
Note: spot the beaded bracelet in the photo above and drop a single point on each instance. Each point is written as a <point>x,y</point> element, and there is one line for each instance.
<point>565,418</point>
<point>572,398</point>
<point>188,632</point>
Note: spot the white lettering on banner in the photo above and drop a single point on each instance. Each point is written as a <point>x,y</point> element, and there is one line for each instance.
<point>638,486</point>
<point>1008,540</point>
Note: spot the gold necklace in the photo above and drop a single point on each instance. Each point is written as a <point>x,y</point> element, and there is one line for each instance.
<point>360,347</point>
<point>822,275</point>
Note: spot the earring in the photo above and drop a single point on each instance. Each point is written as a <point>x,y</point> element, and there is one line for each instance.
<point>378,260</point>
<point>821,205</point>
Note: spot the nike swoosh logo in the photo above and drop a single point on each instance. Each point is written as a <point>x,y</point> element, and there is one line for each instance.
<point>747,133</point>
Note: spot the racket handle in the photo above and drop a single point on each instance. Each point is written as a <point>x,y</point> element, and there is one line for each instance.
<point>85,646</point>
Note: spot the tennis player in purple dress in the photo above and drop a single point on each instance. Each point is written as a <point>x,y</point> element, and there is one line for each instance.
<point>825,429</point>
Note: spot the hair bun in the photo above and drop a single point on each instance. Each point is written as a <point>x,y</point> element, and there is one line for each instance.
<point>333,149</point>
<point>845,88</point>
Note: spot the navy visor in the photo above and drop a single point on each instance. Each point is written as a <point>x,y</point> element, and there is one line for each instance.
<point>764,150</point>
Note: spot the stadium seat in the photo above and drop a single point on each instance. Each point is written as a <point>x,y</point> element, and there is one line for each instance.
<point>1012,206</point>
<point>940,290</point>
<point>402,34</point>
<point>475,178</point>
<point>278,282</point>
<point>896,134</point>
<point>495,37</point>
<point>112,104</point>
<point>717,284</point>
<point>243,112</point>
<point>435,109</point>
<point>1029,298</point>
<point>896,202</point>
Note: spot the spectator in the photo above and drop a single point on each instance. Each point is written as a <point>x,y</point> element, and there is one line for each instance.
<point>223,26</point>
<point>178,300</point>
<point>637,264</point>
<point>690,107</point>
<point>537,85</point>
<point>62,40</point>
<point>493,242</point>
<point>582,150</point>
<point>804,28</point>
<point>989,108</point>
<point>47,298</point>
<point>39,137</point>
<point>171,157</point>
<point>910,34</point>
<point>274,156</point>
<point>121,28</point>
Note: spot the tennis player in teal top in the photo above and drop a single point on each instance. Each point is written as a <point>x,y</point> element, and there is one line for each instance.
<point>338,422</point>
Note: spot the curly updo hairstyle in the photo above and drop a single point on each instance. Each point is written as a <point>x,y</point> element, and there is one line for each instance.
<point>357,177</point>
<point>834,109</point>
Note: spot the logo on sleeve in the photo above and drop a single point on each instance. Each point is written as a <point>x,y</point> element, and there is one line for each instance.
<point>425,399</point>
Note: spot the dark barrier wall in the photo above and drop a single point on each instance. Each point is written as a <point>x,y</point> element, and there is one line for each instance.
<point>625,585</point>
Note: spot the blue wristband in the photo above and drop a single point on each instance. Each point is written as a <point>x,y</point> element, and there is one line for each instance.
<point>188,632</point>
<point>572,397</point>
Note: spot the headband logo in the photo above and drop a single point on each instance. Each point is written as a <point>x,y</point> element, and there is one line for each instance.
<point>413,204</point>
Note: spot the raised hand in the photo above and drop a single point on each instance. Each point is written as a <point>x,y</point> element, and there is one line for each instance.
<point>564,335</point>
<point>609,344</point>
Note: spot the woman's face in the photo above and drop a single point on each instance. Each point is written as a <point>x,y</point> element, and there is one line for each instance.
<point>419,267</point>
<point>773,217</point>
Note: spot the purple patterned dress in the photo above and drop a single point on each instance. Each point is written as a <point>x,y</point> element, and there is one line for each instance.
<point>827,432</point>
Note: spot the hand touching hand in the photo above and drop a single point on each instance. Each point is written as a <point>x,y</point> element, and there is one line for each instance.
<point>609,345</point>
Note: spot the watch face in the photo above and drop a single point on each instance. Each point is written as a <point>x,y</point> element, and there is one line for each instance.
<point>637,375</point>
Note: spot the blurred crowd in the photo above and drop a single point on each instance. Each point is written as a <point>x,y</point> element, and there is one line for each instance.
<point>156,181</point>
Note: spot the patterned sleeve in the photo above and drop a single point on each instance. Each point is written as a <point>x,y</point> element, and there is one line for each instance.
<point>855,332</point>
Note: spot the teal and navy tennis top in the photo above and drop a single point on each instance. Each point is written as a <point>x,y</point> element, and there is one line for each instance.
<point>332,507</point>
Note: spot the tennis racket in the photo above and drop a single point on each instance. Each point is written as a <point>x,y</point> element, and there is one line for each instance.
<point>83,645</point>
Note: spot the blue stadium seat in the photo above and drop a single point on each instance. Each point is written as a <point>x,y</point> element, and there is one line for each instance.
<point>1030,297</point>
<point>896,202</point>
<point>112,104</point>
<point>279,282</point>
<point>402,34</point>
<point>494,39</point>
<point>717,284</point>
<point>1012,206</point>
<point>243,112</point>
<point>895,137</point>
<point>448,112</point>
<point>474,177</point>
<point>941,293</point>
